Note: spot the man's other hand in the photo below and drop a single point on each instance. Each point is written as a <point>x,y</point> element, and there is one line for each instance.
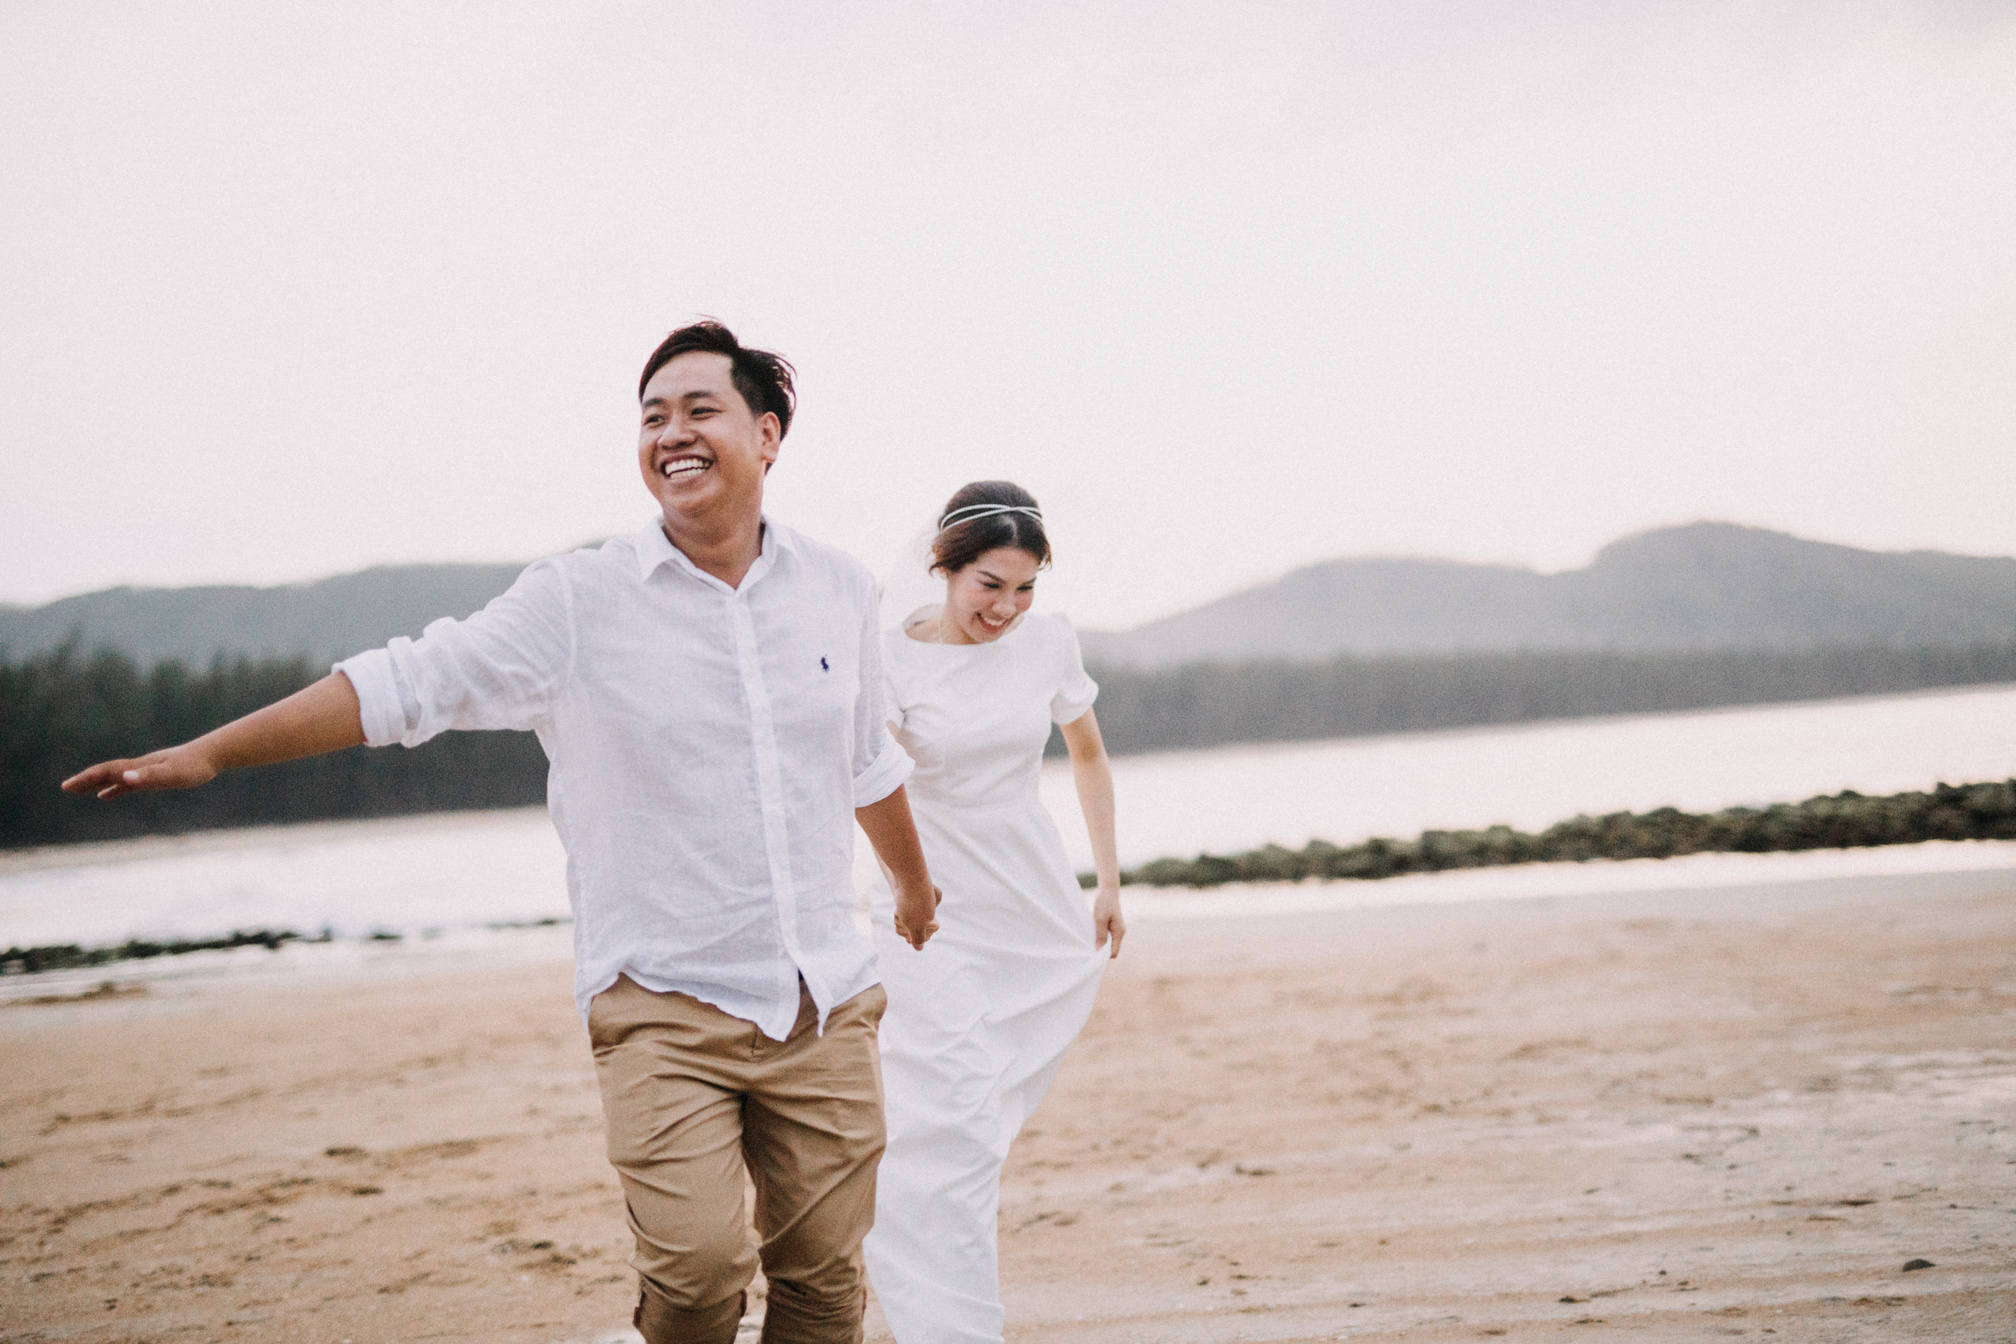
<point>922,921</point>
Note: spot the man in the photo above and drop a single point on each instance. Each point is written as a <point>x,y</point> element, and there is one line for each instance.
<point>709,695</point>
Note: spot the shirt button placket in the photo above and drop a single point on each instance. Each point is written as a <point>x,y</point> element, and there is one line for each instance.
<point>769,785</point>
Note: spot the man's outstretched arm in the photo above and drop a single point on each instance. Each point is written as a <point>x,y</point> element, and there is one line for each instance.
<point>316,719</point>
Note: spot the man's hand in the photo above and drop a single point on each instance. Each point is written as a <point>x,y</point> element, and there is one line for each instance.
<point>917,919</point>
<point>893,835</point>
<point>182,767</point>
<point>317,718</point>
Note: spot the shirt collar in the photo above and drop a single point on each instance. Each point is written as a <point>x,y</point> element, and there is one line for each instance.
<point>654,549</point>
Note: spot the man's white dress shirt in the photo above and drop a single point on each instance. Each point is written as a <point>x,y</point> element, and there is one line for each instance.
<point>708,747</point>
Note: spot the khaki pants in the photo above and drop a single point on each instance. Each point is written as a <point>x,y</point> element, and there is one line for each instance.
<point>692,1098</point>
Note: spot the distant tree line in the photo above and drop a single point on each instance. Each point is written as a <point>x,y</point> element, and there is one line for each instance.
<point>1837,821</point>
<point>60,711</point>
<point>1209,704</point>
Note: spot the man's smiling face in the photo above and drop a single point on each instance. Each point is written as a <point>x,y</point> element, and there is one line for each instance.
<point>701,450</point>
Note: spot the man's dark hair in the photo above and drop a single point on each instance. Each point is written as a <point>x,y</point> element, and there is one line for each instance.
<point>761,376</point>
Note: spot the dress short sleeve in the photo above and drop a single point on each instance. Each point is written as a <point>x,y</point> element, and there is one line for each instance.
<point>893,696</point>
<point>1075,691</point>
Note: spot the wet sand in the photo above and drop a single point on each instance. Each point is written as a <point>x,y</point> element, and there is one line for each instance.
<point>1649,1115</point>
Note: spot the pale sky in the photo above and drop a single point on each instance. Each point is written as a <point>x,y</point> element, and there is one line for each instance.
<point>287,290</point>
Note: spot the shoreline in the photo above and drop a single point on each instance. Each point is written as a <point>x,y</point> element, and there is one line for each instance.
<point>263,953</point>
<point>277,835</point>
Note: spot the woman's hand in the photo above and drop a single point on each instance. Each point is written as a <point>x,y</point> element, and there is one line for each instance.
<point>1107,921</point>
<point>1093,774</point>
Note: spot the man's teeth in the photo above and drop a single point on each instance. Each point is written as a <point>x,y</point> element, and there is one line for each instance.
<point>685,466</point>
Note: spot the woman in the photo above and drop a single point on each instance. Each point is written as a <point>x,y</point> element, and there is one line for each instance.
<point>979,1020</point>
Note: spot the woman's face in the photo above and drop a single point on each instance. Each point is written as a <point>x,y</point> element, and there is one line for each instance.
<point>983,599</point>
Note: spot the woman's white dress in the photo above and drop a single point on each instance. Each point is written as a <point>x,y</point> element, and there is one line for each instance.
<point>980,1019</point>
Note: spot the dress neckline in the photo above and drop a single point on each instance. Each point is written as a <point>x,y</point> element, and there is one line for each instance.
<point>903,633</point>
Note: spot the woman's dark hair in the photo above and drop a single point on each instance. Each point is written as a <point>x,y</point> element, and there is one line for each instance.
<point>969,538</point>
<point>761,376</point>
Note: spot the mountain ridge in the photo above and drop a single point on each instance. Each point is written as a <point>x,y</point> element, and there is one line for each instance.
<point>319,619</point>
<point>1700,586</point>
<point>1695,587</point>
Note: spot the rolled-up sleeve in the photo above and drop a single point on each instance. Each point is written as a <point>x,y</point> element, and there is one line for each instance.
<point>880,765</point>
<point>379,702</point>
<point>497,669</point>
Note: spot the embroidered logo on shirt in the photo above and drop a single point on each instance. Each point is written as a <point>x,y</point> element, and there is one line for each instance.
<point>822,664</point>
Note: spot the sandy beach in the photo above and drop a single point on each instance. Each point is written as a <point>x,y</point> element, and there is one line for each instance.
<point>1654,1115</point>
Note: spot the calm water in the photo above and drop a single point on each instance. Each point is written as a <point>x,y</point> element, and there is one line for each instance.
<point>456,875</point>
<point>1533,775</point>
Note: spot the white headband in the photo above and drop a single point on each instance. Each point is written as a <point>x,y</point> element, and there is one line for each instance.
<point>973,511</point>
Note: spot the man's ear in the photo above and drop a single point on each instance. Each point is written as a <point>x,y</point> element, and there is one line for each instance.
<point>772,432</point>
